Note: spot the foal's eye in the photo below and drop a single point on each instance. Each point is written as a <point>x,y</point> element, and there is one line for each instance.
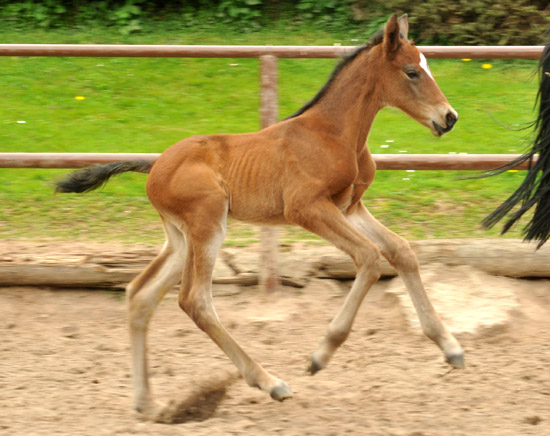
<point>412,74</point>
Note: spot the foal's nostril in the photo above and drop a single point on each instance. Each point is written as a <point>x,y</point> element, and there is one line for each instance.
<point>451,119</point>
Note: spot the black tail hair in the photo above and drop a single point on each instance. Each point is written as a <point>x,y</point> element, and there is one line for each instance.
<point>90,178</point>
<point>535,189</point>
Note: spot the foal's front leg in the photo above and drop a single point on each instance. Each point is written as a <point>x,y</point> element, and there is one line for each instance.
<point>402,258</point>
<point>325,220</point>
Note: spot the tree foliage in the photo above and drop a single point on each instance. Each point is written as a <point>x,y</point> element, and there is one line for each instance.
<point>474,22</point>
<point>470,22</point>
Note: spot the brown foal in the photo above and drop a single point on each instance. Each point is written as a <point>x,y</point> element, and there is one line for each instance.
<point>311,170</point>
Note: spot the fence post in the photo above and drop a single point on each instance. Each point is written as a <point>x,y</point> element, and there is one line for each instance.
<point>269,271</point>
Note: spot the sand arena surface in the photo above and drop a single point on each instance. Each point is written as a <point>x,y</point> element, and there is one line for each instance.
<point>65,367</point>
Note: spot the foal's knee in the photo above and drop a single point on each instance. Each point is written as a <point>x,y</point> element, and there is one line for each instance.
<point>402,257</point>
<point>139,310</point>
<point>368,261</point>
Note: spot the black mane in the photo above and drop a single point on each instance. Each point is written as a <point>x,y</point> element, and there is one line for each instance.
<point>375,40</point>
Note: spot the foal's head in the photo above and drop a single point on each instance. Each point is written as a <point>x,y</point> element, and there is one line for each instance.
<point>407,81</point>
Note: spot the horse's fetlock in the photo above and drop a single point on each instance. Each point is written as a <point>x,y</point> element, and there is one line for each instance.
<point>337,336</point>
<point>431,333</point>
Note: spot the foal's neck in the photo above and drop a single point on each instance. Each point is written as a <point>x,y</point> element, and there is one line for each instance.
<point>350,103</point>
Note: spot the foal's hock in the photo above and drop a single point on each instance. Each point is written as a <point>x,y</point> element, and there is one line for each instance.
<point>311,170</point>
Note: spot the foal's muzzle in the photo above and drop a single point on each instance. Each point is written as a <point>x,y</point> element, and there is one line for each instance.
<point>450,119</point>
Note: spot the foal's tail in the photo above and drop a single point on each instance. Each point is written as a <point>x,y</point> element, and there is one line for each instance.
<point>90,178</point>
<point>535,189</point>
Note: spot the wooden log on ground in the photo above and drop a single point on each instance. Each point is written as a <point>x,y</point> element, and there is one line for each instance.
<point>502,257</point>
<point>88,276</point>
<point>94,267</point>
<point>86,265</point>
<point>64,276</point>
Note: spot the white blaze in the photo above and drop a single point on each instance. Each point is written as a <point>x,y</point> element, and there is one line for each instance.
<point>424,65</point>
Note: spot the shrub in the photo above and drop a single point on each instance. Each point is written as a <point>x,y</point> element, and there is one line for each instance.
<point>470,22</point>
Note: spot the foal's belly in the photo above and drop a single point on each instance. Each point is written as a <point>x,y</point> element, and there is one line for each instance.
<point>256,207</point>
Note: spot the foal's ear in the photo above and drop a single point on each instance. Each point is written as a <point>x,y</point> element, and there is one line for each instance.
<point>392,40</point>
<point>404,26</point>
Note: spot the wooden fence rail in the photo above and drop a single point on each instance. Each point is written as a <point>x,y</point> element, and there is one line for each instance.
<point>383,161</point>
<point>255,51</point>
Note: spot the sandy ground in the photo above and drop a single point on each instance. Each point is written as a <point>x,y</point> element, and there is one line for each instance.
<point>65,367</point>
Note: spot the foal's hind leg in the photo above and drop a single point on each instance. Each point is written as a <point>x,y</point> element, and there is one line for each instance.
<point>204,238</point>
<point>402,258</point>
<point>143,295</point>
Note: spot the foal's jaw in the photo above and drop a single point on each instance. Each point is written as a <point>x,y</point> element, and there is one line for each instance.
<point>439,120</point>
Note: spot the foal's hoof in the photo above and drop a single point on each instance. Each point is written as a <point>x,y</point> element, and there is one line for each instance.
<point>281,392</point>
<point>149,410</point>
<point>313,365</point>
<point>456,360</point>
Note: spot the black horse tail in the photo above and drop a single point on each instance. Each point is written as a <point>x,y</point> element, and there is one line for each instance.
<point>535,188</point>
<point>90,178</point>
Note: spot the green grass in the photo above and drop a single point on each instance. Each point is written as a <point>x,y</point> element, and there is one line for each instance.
<point>145,105</point>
